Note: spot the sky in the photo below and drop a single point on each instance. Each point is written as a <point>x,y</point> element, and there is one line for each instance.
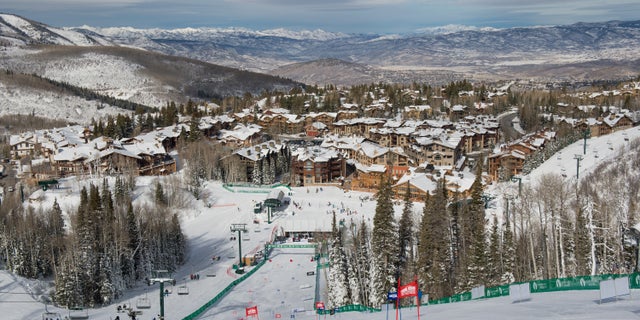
<point>348,16</point>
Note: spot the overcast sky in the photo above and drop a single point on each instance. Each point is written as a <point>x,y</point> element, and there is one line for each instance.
<point>349,16</point>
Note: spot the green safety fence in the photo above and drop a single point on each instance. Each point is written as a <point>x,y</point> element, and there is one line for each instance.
<point>224,292</point>
<point>349,308</point>
<point>548,285</point>
<point>536,286</point>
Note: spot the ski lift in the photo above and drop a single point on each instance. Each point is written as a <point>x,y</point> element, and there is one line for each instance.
<point>143,303</point>
<point>78,313</point>
<point>183,290</point>
<point>48,315</point>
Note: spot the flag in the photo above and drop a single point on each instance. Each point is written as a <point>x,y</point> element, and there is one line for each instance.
<point>252,311</point>
<point>408,290</point>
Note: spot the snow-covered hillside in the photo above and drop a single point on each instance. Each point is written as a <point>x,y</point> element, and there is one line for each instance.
<point>22,31</point>
<point>47,104</point>
<point>109,75</point>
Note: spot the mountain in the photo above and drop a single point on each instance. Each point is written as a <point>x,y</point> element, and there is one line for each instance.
<point>15,30</point>
<point>582,50</point>
<point>576,52</point>
<point>88,60</point>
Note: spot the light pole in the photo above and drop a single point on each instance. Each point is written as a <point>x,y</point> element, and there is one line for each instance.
<point>240,228</point>
<point>578,157</point>
<point>586,133</point>
<point>508,197</point>
<point>161,276</point>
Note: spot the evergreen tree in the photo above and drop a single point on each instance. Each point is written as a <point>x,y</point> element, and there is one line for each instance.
<point>257,172</point>
<point>384,240</point>
<point>362,260</point>
<point>337,278</point>
<point>434,245</point>
<point>160,197</point>
<point>494,262</point>
<point>406,235</point>
<point>477,247</point>
<point>508,255</point>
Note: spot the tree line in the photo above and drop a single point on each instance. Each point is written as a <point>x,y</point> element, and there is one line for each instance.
<point>554,228</point>
<point>102,248</point>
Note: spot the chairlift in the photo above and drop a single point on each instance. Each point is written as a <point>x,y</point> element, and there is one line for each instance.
<point>183,290</point>
<point>48,315</point>
<point>51,316</point>
<point>143,303</point>
<point>78,314</point>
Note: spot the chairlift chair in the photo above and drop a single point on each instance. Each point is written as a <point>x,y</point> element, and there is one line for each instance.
<point>51,316</point>
<point>143,303</point>
<point>78,314</point>
<point>183,290</point>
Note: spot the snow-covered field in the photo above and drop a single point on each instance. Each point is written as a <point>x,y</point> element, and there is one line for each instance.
<point>282,285</point>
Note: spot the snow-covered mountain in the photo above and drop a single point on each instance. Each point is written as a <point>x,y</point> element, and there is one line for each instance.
<point>20,31</point>
<point>581,51</point>
<point>532,52</point>
<point>85,59</point>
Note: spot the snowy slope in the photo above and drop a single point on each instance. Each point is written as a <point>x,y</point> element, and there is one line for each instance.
<point>19,100</point>
<point>24,31</point>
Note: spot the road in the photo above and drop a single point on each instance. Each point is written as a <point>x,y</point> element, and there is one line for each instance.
<point>506,125</point>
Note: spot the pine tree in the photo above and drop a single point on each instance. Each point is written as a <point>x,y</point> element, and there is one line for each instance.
<point>256,175</point>
<point>508,255</point>
<point>362,260</point>
<point>337,279</point>
<point>384,240</point>
<point>494,262</point>
<point>477,247</point>
<point>406,235</point>
<point>160,197</point>
<point>434,246</point>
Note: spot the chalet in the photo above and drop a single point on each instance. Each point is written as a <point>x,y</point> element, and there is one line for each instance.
<point>23,145</point>
<point>506,164</point>
<point>367,177</point>
<point>416,112</point>
<point>241,135</point>
<point>327,118</point>
<point>314,165</point>
<point>616,122</point>
<point>435,151</point>
<point>419,184</point>
<point>359,126</point>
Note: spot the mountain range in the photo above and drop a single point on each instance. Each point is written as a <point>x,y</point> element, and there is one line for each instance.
<point>150,66</point>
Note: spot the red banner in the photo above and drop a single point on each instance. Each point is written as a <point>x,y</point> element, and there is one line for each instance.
<point>252,311</point>
<point>320,305</point>
<point>408,290</point>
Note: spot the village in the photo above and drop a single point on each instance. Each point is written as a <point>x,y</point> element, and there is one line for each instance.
<point>350,148</point>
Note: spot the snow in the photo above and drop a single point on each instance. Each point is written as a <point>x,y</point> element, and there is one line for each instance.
<point>282,284</point>
<point>18,100</point>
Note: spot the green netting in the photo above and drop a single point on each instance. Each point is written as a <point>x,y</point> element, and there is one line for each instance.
<point>494,292</point>
<point>224,291</point>
<point>349,308</point>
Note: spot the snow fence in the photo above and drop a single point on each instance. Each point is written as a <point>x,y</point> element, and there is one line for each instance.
<point>549,285</point>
